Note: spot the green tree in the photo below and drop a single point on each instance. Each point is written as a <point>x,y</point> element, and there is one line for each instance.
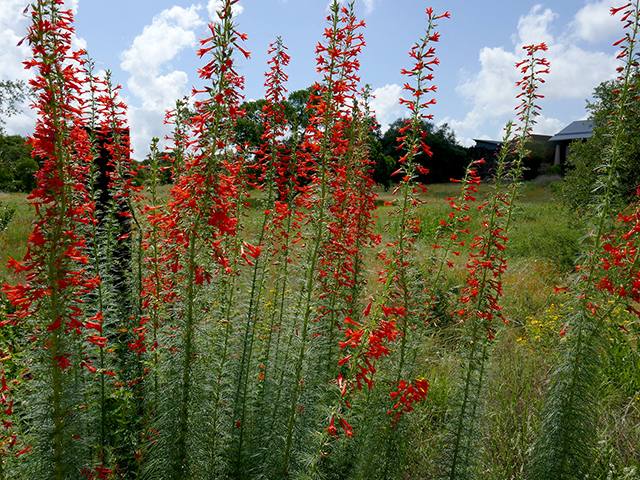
<point>249,129</point>
<point>448,159</point>
<point>296,108</point>
<point>586,156</point>
<point>12,94</point>
<point>17,167</point>
<point>384,164</point>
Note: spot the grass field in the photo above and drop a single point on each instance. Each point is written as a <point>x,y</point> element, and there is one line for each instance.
<point>542,249</point>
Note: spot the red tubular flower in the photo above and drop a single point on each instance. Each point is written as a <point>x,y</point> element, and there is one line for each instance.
<point>274,158</point>
<point>532,68</point>
<point>331,429</point>
<point>486,265</point>
<point>195,240</point>
<point>393,316</point>
<point>339,165</point>
<point>406,395</point>
<point>348,430</point>
<point>378,326</point>
<point>202,196</point>
<point>8,438</point>
<point>97,340</point>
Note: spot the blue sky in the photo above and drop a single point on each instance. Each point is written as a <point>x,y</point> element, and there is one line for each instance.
<point>149,45</point>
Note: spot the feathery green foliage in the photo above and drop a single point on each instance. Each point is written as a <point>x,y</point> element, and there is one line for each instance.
<point>565,446</point>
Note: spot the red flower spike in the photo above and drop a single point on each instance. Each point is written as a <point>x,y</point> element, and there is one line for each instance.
<point>61,145</point>
<point>406,395</point>
<point>397,314</point>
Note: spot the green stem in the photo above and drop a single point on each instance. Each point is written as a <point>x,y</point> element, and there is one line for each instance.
<point>58,423</point>
<point>180,466</point>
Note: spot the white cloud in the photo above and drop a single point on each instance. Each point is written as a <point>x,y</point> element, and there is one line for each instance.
<point>152,78</point>
<point>214,6</point>
<point>13,28</point>
<point>548,126</point>
<point>369,5</point>
<point>73,5</point>
<point>493,89</point>
<point>169,33</point>
<point>386,106</point>
<point>150,63</point>
<point>575,72</point>
<point>594,23</point>
<point>533,28</point>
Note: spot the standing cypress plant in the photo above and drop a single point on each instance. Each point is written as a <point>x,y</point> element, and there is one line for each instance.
<point>368,335</point>
<point>119,237</point>
<point>486,265</point>
<point>156,299</point>
<point>201,226</point>
<point>196,240</point>
<point>101,237</point>
<point>285,252</point>
<point>564,448</point>
<point>343,263</point>
<point>329,254</point>
<point>350,201</point>
<point>49,305</point>
<point>10,447</point>
<point>252,386</point>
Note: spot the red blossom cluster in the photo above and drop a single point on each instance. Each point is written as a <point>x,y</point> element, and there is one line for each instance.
<point>274,158</point>
<point>407,394</point>
<point>207,174</point>
<point>203,194</point>
<point>368,340</point>
<point>629,19</point>
<point>620,259</point>
<point>97,472</point>
<point>411,141</point>
<point>278,162</point>
<point>332,430</point>
<point>450,230</point>
<point>338,163</point>
<point>420,75</point>
<point>8,437</point>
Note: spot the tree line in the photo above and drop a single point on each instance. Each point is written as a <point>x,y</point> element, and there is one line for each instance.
<point>448,158</point>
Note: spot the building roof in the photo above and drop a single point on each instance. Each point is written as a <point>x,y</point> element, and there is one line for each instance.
<point>490,144</point>
<point>574,131</point>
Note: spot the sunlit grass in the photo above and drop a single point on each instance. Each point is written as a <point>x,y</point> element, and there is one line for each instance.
<point>13,241</point>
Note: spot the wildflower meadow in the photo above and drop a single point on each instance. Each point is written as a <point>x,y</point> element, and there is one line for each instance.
<point>271,314</point>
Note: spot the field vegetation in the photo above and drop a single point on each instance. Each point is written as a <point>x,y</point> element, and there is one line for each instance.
<point>271,313</point>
